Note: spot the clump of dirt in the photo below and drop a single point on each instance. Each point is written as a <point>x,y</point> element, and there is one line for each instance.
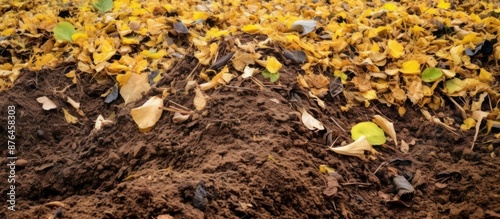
<point>247,155</point>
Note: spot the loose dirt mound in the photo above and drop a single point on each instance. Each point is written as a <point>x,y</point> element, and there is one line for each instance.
<point>247,155</point>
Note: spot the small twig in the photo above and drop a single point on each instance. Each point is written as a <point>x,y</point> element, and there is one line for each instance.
<point>174,109</point>
<point>356,184</point>
<point>181,106</point>
<point>462,111</point>
<point>194,69</point>
<point>334,142</point>
<point>337,124</point>
<point>381,165</point>
<point>243,88</point>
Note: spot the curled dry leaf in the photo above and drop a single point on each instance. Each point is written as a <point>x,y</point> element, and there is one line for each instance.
<point>387,126</point>
<point>76,106</point>
<point>100,122</point>
<point>405,147</point>
<point>296,56</point>
<point>200,100</point>
<point>47,104</point>
<point>222,77</point>
<point>357,148</point>
<point>478,116</point>
<point>147,115</point>
<point>310,122</point>
<point>69,118</point>
<point>303,26</point>
<point>179,117</point>
<point>249,72</point>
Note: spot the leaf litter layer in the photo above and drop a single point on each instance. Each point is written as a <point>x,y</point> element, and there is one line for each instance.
<point>379,52</point>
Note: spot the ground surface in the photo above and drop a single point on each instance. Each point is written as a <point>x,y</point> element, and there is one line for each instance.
<point>247,156</point>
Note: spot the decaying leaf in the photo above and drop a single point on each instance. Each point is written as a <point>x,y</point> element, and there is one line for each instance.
<point>100,122</point>
<point>303,26</point>
<point>357,148</point>
<point>296,56</point>
<point>69,118</point>
<point>369,130</point>
<point>249,72</point>
<point>200,100</point>
<point>387,126</point>
<point>47,104</point>
<point>179,27</point>
<point>135,86</point>
<point>179,117</point>
<point>478,116</point>
<point>147,115</point>
<point>326,169</point>
<point>222,61</point>
<point>112,94</point>
<point>309,121</point>
<point>222,77</point>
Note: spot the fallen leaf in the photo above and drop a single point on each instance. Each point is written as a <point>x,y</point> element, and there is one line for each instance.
<point>296,56</point>
<point>69,118</point>
<point>179,27</point>
<point>200,100</point>
<point>272,64</point>
<point>113,94</point>
<point>64,31</point>
<point>147,115</point>
<point>100,122</point>
<point>249,72</point>
<point>396,50</point>
<point>411,67</point>
<point>405,147</point>
<point>47,104</point>
<point>223,77</point>
<point>431,74</point>
<point>309,121</point>
<point>326,169</point>
<point>179,117</point>
<point>478,116</point>
<point>303,26</point>
<point>387,126</point>
<point>135,86</point>
<point>357,148</point>
<point>374,134</point>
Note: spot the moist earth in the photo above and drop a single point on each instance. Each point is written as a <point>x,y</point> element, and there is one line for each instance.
<point>246,155</point>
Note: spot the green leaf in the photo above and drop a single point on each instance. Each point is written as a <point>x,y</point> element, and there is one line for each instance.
<point>63,31</point>
<point>431,74</point>
<point>273,77</point>
<point>103,5</point>
<point>373,133</point>
<point>454,85</point>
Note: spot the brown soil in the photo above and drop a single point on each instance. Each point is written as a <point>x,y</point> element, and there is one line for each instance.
<point>245,156</point>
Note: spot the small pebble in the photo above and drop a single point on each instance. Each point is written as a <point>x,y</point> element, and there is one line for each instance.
<point>21,163</point>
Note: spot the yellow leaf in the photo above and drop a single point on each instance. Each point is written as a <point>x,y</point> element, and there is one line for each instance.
<point>69,118</point>
<point>272,64</point>
<point>122,79</point>
<point>468,124</point>
<point>443,5</point>
<point>222,77</point>
<point>396,50</point>
<point>147,115</point>
<point>390,6</point>
<point>129,41</point>
<point>216,33</point>
<point>485,76</point>
<point>79,37</point>
<point>411,67</point>
<point>107,50</point>
<point>370,95</point>
<point>326,169</point>
<point>72,75</point>
<point>251,28</point>
<point>140,66</point>
<point>456,53</point>
<point>117,67</point>
<point>135,86</point>
<point>154,55</point>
